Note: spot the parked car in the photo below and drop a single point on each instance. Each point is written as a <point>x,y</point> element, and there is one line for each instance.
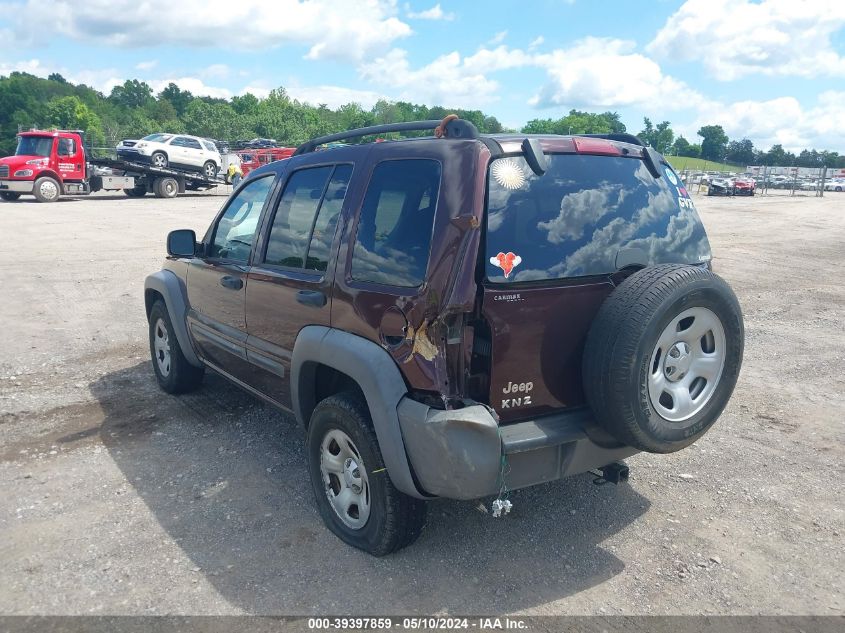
<point>455,316</point>
<point>837,184</point>
<point>744,186</point>
<point>720,187</point>
<point>178,150</point>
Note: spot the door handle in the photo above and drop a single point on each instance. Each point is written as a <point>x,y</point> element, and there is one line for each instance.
<point>311,298</point>
<point>232,283</point>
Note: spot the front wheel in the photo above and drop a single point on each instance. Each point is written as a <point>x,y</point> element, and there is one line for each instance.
<point>172,370</point>
<point>354,494</point>
<point>46,189</point>
<point>9,196</point>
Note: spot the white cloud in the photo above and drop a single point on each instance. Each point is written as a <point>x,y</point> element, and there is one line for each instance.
<point>783,120</point>
<point>148,65</point>
<point>31,66</point>
<point>449,80</point>
<point>330,28</point>
<point>193,84</point>
<point>498,38</point>
<point>604,72</point>
<point>434,13</point>
<point>736,38</point>
<point>536,42</point>
<point>220,71</point>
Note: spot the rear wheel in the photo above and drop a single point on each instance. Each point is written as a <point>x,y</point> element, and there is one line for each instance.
<point>209,169</point>
<point>47,189</point>
<point>9,196</point>
<point>166,187</point>
<point>663,356</point>
<point>354,494</point>
<point>173,371</point>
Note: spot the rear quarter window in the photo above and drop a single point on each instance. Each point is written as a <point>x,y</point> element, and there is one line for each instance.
<point>587,215</point>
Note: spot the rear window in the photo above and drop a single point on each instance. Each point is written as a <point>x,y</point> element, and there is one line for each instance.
<point>587,215</point>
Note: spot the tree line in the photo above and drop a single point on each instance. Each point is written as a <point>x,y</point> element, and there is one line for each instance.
<point>132,110</point>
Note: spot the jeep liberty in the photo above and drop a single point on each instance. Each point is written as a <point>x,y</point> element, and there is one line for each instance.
<point>455,315</point>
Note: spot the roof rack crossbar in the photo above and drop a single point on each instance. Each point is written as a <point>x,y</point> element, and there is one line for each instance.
<point>408,126</point>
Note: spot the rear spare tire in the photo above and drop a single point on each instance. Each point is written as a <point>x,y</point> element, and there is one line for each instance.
<point>663,356</point>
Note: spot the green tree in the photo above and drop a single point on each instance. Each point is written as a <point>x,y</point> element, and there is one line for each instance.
<point>714,142</point>
<point>71,114</point>
<point>178,98</point>
<point>740,152</point>
<point>682,147</point>
<point>660,137</point>
<point>132,94</point>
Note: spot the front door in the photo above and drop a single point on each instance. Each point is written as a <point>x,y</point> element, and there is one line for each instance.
<point>217,280</point>
<point>289,285</point>
<point>71,159</point>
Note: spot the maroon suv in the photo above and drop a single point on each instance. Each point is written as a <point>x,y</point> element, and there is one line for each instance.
<point>455,315</point>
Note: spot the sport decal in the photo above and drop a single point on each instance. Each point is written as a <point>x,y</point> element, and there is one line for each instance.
<point>506,261</point>
<point>670,175</point>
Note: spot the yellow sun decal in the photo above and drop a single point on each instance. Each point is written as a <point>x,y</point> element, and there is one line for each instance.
<point>508,173</point>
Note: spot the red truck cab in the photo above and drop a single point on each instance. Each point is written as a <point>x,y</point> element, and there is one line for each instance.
<point>252,159</point>
<point>46,164</point>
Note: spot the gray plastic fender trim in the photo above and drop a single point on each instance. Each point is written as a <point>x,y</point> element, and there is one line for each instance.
<point>376,373</point>
<point>169,286</point>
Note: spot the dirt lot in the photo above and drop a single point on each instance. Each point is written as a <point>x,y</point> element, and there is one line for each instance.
<point>120,499</point>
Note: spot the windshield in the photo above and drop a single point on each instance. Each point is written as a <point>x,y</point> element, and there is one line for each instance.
<point>34,146</point>
<point>158,137</point>
<point>587,215</point>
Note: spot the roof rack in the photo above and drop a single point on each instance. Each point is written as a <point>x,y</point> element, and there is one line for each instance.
<point>467,130</point>
<point>621,137</point>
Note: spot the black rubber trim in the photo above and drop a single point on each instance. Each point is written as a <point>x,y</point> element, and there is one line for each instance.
<point>553,430</point>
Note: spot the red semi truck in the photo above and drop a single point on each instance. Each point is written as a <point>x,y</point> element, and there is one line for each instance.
<point>54,163</point>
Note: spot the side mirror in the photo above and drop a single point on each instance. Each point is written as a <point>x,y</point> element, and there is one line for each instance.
<point>181,243</point>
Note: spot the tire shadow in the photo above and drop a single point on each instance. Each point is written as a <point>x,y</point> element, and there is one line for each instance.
<point>225,476</point>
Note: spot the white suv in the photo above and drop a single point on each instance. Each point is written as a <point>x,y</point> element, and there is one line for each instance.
<point>177,150</point>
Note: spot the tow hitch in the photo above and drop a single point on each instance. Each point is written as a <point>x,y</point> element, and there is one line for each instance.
<point>614,473</point>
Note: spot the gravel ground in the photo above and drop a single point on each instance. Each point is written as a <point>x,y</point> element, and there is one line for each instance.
<point>119,499</point>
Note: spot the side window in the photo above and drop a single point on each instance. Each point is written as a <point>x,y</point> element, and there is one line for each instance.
<point>327,216</point>
<point>288,240</point>
<point>209,146</point>
<point>394,230</point>
<point>178,141</point>
<point>67,147</point>
<point>235,232</point>
<point>193,144</point>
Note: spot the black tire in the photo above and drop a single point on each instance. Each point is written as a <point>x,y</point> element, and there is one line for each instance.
<point>47,189</point>
<point>396,520</point>
<point>181,376</point>
<point>621,354</point>
<point>159,159</point>
<point>139,191</point>
<point>166,187</point>
<point>9,196</point>
<point>209,169</point>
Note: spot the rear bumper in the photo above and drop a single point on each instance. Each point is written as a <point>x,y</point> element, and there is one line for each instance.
<point>18,186</point>
<point>459,453</point>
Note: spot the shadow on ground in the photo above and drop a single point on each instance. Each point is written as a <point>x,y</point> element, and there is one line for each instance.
<point>225,476</point>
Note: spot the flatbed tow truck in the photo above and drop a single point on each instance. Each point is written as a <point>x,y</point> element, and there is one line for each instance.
<point>54,163</point>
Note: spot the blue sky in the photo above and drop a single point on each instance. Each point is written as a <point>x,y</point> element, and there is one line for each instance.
<point>769,70</point>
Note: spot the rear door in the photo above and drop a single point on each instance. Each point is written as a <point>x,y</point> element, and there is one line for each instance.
<point>217,280</point>
<point>554,246</point>
<point>289,286</point>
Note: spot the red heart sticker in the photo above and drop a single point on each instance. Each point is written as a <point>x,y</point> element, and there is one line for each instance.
<point>506,261</point>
